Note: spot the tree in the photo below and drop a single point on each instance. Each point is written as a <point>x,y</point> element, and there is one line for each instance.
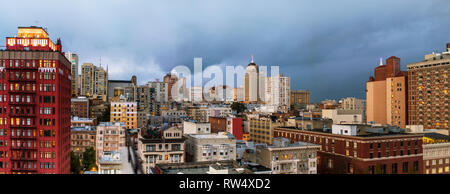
<point>75,166</point>
<point>89,160</point>
<point>238,107</point>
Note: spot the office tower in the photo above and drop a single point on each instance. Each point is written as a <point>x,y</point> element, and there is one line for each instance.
<point>73,58</point>
<point>428,90</point>
<point>35,101</point>
<point>386,94</point>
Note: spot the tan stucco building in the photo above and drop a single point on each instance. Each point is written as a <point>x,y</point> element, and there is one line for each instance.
<point>386,101</point>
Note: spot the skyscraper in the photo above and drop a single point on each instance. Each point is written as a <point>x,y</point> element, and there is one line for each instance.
<point>35,101</point>
<point>251,83</point>
<point>386,94</point>
<point>278,92</point>
<point>73,58</point>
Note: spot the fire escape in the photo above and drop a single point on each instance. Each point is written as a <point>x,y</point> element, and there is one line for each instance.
<point>22,114</point>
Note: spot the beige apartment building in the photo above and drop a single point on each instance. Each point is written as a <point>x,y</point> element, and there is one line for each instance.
<point>210,147</point>
<point>110,137</point>
<point>286,158</point>
<point>94,81</point>
<point>202,113</point>
<point>261,129</point>
<point>351,103</point>
<point>386,101</point>
<point>161,147</point>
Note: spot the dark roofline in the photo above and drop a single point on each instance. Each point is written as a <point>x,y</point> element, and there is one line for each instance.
<point>128,81</point>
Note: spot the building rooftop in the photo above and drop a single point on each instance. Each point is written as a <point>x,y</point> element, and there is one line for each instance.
<point>124,81</point>
<point>111,157</point>
<point>85,128</point>
<point>437,136</point>
<point>109,124</point>
<point>281,142</point>
<point>363,131</point>
<point>220,135</point>
<point>198,167</point>
<point>81,119</point>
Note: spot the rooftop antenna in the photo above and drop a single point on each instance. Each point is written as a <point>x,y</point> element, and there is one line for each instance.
<point>252,58</point>
<point>381,61</point>
<point>100,61</point>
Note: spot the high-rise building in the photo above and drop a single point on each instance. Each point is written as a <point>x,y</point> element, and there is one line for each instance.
<point>35,99</point>
<point>170,80</point>
<point>428,90</point>
<point>161,89</point>
<point>278,92</point>
<point>94,81</point>
<point>196,94</point>
<point>386,94</point>
<point>251,83</point>
<point>73,58</point>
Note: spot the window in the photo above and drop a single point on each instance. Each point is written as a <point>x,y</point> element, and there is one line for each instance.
<point>394,168</point>
<point>405,167</point>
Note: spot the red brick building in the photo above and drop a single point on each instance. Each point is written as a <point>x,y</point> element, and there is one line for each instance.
<point>35,118</point>
<point>392,153</point>
<point>80,107</point>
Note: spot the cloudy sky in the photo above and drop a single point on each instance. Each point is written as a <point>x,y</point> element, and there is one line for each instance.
<point>328,47</point>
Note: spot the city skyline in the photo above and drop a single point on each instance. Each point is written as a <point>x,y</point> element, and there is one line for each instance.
<point>153,37</point>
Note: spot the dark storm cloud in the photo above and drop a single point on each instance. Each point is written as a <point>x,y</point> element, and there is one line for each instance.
<point>328,47</point>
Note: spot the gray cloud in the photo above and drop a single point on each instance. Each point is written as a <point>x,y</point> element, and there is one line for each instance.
<point>328,47</point>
